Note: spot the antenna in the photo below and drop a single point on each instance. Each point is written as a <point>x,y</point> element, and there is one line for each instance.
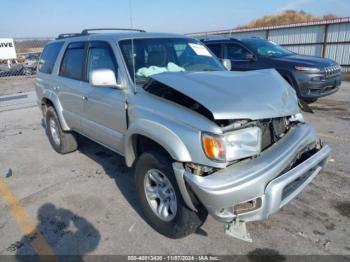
<point>130,14</point>
<point>132,47</point>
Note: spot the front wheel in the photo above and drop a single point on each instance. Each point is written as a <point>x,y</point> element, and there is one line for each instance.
<point>160,197</point>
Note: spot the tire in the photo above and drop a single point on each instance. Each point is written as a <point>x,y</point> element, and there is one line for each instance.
<point>180,223</point>
<point>61,141</point>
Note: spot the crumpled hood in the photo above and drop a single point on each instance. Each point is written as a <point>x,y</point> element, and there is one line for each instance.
<point>236,95</point>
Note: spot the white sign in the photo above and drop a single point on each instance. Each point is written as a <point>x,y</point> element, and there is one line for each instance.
<point>7,49</point>
<point>199,49</point>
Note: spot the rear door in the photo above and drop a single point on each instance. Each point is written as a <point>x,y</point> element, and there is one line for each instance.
<point>104,107</point>
<point>69,89</point>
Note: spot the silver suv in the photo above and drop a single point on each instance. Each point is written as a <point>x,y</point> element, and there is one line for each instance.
<point>201,139</point>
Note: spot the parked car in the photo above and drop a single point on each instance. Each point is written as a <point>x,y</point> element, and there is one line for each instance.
<point>200,139</point>
<point>312,77</point>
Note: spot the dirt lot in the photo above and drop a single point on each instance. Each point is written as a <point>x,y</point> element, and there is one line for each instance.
<point>84,202</point>
<point>16,84</point>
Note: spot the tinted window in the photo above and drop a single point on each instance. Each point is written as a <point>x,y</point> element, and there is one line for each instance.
<point>72,63</point>
<point>236,52</point>
<point>267,48</point>
<point>216,49</point>
<point>48,57</point>
<point>101,57</point>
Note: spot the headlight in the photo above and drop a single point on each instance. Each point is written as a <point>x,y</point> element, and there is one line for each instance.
<point>307,69</point>
<point>243,143</point>
<point>233,145</point>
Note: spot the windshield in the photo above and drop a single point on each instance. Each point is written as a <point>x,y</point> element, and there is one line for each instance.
<point>267,48</point>
<point>158,55</point>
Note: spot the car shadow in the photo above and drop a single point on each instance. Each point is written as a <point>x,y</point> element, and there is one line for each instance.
<point>60,232</point>
<point>114,166</point>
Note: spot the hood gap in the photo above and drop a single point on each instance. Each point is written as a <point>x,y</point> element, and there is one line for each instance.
<point>162,90</point>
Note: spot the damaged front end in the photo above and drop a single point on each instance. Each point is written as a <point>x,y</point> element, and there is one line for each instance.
<point>269,154</point>
<point>254,188</point>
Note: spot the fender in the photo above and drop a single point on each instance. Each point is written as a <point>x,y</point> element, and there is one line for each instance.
<point>159,133</point>
<point>48,94</point>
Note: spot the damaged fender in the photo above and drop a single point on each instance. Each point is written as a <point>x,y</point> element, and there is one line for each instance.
<point>163,135</point>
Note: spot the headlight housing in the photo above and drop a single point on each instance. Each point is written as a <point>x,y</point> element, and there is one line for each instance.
<point>233,145</point>
<point>307,69</point>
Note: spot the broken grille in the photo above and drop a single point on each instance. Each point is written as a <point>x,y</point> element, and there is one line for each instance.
<point>273,130</point>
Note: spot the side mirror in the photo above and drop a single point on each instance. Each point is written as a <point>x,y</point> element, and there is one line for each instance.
<point>227,64</point>
<point>250,57</point>
<point>103,78</point>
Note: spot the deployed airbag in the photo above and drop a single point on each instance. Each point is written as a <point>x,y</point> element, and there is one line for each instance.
<point>152,70</point>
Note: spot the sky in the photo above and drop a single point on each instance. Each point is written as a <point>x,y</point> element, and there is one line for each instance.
<point>48,18</point>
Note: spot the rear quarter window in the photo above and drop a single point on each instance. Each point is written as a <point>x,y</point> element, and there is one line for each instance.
<point>48,57</point>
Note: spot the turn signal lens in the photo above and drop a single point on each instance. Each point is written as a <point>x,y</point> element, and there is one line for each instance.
<point>307,69</point>
<point>213,147</point>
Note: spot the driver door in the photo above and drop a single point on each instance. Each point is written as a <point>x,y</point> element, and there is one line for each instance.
<point>237,54</point>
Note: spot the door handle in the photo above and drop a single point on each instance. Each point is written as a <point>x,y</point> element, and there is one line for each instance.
<point>85,98</point>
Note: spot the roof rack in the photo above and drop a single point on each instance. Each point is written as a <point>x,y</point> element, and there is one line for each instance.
<point>61,36</point>
<point>87,31</point>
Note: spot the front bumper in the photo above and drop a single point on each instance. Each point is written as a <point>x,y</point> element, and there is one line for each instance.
<point>317,85</point>
<point>263,178</point>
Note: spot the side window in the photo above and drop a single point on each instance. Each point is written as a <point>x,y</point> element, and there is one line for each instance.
<point>73,60</point>
<point>236,52</point>
<point>216,49</point>
<point>179,49</point>
<point>48,57</point>
<point>101,56</point>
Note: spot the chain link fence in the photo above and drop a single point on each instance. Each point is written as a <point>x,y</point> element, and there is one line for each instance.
<point>28,52</point>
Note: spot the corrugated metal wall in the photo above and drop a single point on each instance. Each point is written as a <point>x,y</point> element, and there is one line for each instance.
<point>307,38</point>
<point>315,50</point>
<point>297,35</point>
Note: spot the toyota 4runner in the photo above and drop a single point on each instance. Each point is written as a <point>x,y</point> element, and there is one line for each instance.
<point>201,139</point>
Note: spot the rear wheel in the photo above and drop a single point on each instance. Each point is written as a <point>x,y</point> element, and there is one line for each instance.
<point>160,197</point>
<point>63,142</point>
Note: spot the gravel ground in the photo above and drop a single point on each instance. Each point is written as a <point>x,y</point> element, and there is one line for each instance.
<point>84,202</point>
<point>16,84</point>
